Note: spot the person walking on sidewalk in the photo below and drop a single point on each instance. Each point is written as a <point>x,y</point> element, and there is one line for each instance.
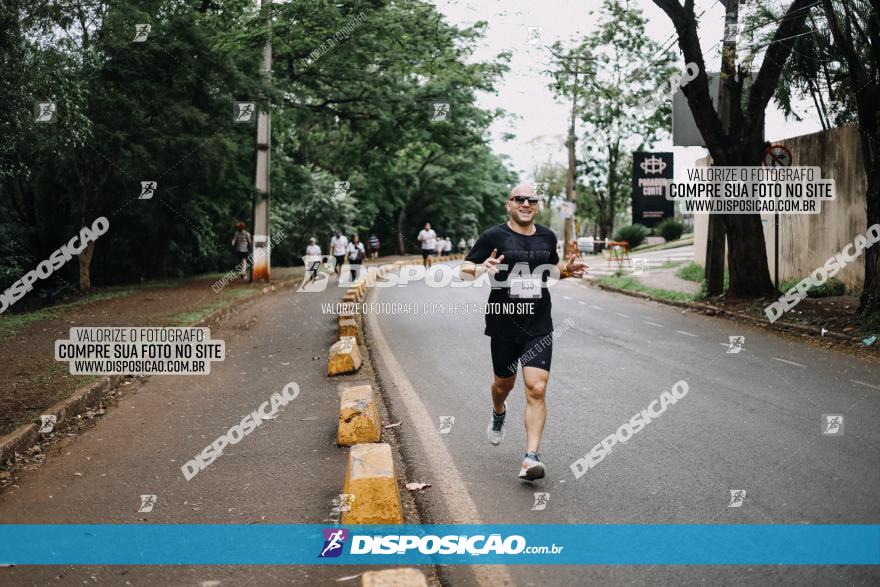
<point>356,255</point>
<point>461,245</point>
<point>522,335</point>
<point>338,247</point>
<point>241,244</point>
<point>313,259</point>
<point>427,238</point>
<point>373,243</point>
<point>447,246</point>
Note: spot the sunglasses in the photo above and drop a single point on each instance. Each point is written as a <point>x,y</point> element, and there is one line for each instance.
<point>524,199</point>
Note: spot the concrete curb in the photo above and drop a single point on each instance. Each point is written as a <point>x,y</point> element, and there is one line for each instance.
<point>371,478</point>
<point>344,357</point>
<point>87,396</point>
<point>716,311</point>
<point>405,577</point>
<point>359,421</point>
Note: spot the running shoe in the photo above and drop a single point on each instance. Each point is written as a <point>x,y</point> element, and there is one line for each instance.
<point>532,467</point>
<point>495,431</point>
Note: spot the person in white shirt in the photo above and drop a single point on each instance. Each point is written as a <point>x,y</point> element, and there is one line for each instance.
<point>447,246</point>
<point>313,259</point>
<point>338,247</point>
<point>461,245</point>
<point>356,255</point>
<point>427,238</point>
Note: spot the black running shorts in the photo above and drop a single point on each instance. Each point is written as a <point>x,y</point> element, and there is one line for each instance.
<point>535,352</point>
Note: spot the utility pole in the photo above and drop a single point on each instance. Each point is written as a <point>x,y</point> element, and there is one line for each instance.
<point>716,237</point>
<point>264,135</point>
<point>568,228</point>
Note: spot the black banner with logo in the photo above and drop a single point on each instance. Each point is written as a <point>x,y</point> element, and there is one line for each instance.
<point>649,203</point>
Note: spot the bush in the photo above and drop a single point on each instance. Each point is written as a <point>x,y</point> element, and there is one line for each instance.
<point>832,287</point>
<point>692,272</point>
<point>670,229</point>
<point>634,234</point>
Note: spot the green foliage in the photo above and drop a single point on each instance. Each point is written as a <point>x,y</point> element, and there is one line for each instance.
<point>670,229</point>
<point>631,283</point>
<point>692,272</point>
<point>634,234</point>
<point>162,110</point>
<point>613,104</point>
<point>832,287</point>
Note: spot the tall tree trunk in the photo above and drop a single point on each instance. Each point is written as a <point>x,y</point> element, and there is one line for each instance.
<point>863,76</point>
<point>401,245</point>
<point>85,265</point>
<point>869,302</point>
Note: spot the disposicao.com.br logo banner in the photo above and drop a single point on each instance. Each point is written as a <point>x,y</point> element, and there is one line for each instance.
<point>534,544</point>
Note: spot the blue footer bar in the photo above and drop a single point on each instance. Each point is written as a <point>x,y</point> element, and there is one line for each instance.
<point>624,544</point>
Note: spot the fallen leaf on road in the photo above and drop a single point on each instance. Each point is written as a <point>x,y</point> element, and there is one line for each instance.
<point>348,578</point>
<point>78,474</point>
<point>315,358</point>
<point>417,486</point>
<point>395,425</point>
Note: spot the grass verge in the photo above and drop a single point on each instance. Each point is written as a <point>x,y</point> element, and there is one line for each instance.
<point>630,283</point>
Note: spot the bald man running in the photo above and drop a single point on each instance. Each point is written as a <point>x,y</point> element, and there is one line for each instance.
<point>510,253</point>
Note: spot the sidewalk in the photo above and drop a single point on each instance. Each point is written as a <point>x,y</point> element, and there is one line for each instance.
<point>286,471</point>
<point>35,380</point>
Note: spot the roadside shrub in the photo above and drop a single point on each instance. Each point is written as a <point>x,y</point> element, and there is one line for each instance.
<point>832,287</point>
<point>691,272</point>
<point>670,229</point>
<point>634,234</point>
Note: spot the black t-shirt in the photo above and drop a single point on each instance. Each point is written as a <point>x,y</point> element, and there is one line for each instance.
<point>523,255</point>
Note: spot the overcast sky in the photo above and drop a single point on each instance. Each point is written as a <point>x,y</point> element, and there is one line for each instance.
<point>538,121</point>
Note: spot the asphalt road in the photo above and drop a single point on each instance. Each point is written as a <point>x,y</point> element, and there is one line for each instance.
<point>751,421</point>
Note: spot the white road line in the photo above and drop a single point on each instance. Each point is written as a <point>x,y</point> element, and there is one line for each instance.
<point>865,384</point>
<point>789,362</point>
<point>566,297</point>
<point>654,324</point>
<point>597,307</point>
<point>687,333</point>
<point>582,303</point>
<point>621,315</point>
<point>459,503</point>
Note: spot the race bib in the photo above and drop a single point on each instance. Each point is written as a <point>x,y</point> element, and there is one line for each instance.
<point>525,288</point>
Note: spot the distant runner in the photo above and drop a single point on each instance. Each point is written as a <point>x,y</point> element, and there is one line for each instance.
<point>373,241</point>
<point>241,244</point>
<point>514,250</point>
<point>312,260</point>
<point>338,248</point>
<point>427,238</point>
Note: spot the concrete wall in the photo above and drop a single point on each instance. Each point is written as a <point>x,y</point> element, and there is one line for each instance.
<point>807,240</point>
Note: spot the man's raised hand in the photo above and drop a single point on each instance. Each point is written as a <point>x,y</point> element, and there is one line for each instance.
<point>576,268</point>
<point>490,263</point>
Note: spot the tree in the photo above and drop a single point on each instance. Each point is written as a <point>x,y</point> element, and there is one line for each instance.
<point>620,118</point>
<point>836,63</point>
<point>855,29</point>
<point>742,142</point>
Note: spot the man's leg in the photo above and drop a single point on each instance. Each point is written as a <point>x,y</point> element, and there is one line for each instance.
<point>535,380</point>
<point>501,387</point>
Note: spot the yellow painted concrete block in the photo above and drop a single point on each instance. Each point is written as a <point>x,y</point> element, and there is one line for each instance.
<point>371,479</point>
<point>408,577</point>
<point>345,357</point>
<point>358,416</point>
<point>348,327</point>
